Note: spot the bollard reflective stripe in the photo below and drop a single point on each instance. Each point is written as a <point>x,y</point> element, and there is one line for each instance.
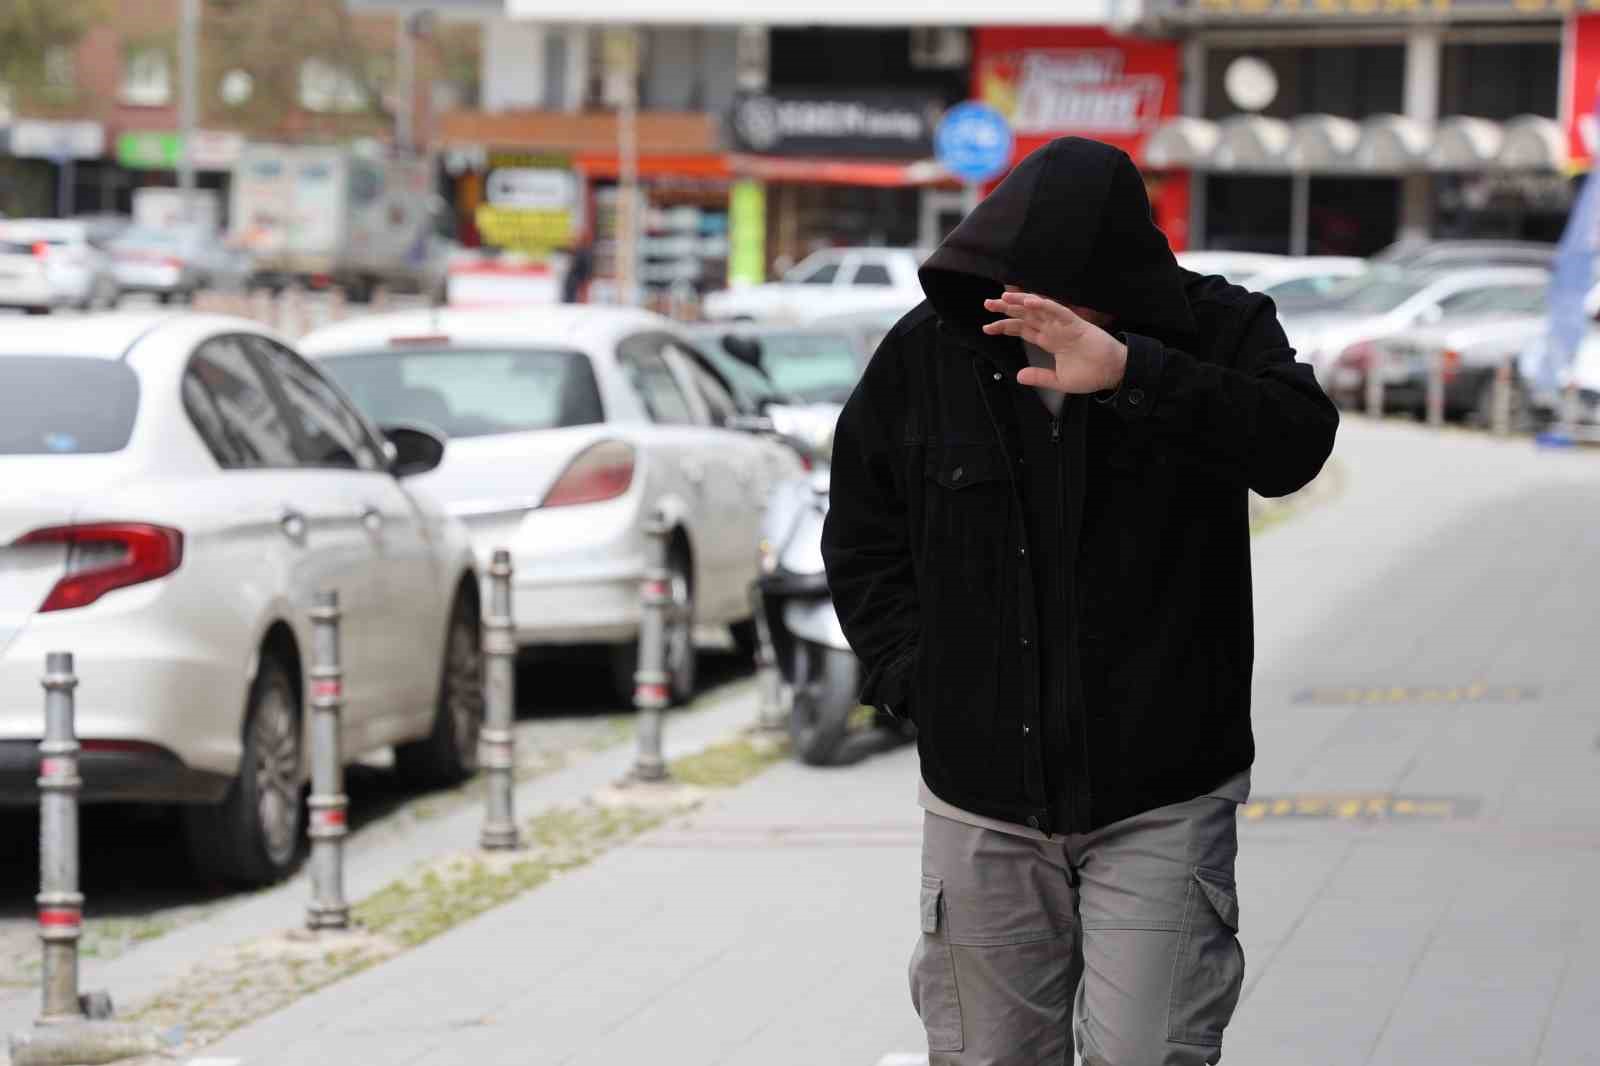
<point>58,918</point>
<point>652,691</point>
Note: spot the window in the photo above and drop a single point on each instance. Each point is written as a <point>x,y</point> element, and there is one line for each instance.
<point>330,435</point>
<point>1508,299</point>
<point>65,405</point>
<point>653,382</point>
<point>472,392</point>
<point>147,77</point>
<point>251,422</point>
<point>872,274</point>
<point>821,273</point>
<point>60,68</point>
<point>719,401</point>
<point>816,367</point>
<point>327,88</point>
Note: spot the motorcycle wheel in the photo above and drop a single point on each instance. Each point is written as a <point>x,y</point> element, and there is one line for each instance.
<point>824,699</point>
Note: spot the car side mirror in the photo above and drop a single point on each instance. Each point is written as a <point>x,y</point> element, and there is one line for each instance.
<point>413,450</point>
<point>745,349</point>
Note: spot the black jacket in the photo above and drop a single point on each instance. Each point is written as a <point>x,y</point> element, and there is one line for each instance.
<point>1105,671</point>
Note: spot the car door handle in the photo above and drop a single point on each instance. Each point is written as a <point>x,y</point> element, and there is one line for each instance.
<point>293,524</point>
<point>372,520</point>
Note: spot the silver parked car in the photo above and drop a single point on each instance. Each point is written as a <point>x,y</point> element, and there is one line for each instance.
<point>51,263</point>
<point>175,263</point>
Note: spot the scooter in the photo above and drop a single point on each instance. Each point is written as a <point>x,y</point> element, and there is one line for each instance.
<point>815,660</point>
<point>821,673</point>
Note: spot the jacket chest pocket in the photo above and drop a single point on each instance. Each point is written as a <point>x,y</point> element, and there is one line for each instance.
<point>968,498</point>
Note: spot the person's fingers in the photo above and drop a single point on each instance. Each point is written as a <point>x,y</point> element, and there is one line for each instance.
<point>1004,327</point>
<point>1038,377</point>
<point>1003,307</point>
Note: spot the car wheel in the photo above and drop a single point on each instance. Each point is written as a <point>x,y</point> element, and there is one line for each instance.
<point>253,836</point>
<point>164,298</point>
<point>449,754</point>
<point>36,310</point>
<point>680,656</point>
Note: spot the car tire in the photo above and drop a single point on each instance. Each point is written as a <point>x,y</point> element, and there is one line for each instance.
<point>36,310</point>
<point>253,837</point>
<point>682,660</point>
<point>448,755</point>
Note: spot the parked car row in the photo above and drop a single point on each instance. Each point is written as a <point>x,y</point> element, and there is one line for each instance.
<point>1467,307</point>
<point>178,486</point>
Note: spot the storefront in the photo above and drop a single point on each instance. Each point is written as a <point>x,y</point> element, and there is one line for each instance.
<point>531,188</point>
<point>55,168</point>
<point>150,158</point>
<point>1085,81</point>
<point>1342,127</point>
<point>836,168</point>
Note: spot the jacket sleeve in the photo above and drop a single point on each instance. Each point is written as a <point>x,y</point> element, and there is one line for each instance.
<point>866,545</point>
<point>1263,422</point>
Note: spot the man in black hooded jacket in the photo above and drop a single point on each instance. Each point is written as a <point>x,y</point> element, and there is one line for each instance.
<point>1039,547</point>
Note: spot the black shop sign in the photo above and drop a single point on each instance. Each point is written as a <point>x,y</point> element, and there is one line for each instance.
<point>883,125</point>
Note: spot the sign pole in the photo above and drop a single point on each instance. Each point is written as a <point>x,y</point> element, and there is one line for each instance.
<point>188,62</point>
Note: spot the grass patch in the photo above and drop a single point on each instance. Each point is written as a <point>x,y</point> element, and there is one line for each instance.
<point>728,764</point>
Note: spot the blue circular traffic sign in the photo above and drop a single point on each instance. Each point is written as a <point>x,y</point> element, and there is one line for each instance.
<point>974,142</point>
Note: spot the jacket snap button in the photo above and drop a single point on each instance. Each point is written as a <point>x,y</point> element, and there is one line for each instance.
<point>1033,822</point>
<point>958,473</point>
<point>1026,730</point>
<point>998,375</point>
<point>1135,397</point>
<point>1022,553</point>
<point>1026,643</point>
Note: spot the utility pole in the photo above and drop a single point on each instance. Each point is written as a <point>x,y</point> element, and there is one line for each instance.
<point>622,62</point>
<point>188,78</point>
<point>405,48</point>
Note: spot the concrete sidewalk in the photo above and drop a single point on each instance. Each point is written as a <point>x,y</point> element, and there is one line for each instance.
<point>1418,865</point>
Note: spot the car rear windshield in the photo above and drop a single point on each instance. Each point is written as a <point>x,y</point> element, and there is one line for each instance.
<point>64,405</point>
<point>817,367</point>
<point>472,392</point>
<point>1377,294</point>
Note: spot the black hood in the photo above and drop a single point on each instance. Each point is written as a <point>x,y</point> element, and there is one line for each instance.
<point>1071,222</point>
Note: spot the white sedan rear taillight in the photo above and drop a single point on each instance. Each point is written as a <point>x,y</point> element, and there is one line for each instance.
<point>104,556</point>
<point>602,471</point>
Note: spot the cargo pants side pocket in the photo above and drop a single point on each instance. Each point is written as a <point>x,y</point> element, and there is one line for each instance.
<point>933,974</point>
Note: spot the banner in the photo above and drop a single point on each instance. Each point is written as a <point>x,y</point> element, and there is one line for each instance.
<point>1581,44</point>
<point>870,124</point>
<point>531,204</point>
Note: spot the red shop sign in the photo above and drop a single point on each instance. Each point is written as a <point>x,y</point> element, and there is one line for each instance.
<point>1582,45</point>
<point>1076,81</point>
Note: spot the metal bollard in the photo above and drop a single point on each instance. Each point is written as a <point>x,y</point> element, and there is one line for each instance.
<point>60,902</point>
<point>1375,382</point>
<point>328,804</point>
<point>1435,394</point>
<point>1500,415</point>
<point>498,739</point>
<point>769,682</point>
<point>651,691</point>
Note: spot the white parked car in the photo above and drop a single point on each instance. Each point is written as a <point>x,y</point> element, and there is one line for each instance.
<point>569,427</point>
<point>1237,267</point>
<point>1308,281</point>
<point>51,263</point>
<point>1385,301</point>
<point>831,282</point>
<point>174,491</point>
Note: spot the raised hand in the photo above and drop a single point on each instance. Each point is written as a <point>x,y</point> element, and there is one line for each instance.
<point>1088,359</point>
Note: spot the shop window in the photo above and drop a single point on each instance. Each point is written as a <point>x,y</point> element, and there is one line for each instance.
<point>1500,81</point>
<point>1353,81</point>
<point>147,77</point>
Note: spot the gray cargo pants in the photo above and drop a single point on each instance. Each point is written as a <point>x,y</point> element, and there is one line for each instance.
<point>1120,941</point>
